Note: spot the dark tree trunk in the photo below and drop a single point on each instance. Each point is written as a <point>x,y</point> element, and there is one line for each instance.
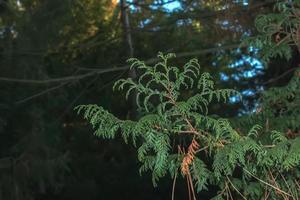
<point>129,45</point>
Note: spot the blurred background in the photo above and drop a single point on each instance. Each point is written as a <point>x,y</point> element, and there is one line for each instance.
<point>56,54</point>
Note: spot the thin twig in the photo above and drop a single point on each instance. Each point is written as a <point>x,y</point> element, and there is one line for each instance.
<point>287,185</point>
<point>113,69</point>
<point>191,185</point>
<point>273,179</point>
<point>268,184</point>
<point>235,188</point>
<point>173,187</point>
<point>281,76</point>
<point>85,89</point>
<point>188,185</point>
<point>41,93</point>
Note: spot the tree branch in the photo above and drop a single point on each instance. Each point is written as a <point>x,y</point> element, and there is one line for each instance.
<point>114,69</point>
<point>281,76</point>
<point>41,93</point>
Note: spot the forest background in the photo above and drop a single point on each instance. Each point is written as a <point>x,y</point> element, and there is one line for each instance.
<point>57,54</point>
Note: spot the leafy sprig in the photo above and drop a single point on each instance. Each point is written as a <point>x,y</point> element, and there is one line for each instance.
<point>213,150</point>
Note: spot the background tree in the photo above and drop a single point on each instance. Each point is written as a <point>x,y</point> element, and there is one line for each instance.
<point>58,54</point>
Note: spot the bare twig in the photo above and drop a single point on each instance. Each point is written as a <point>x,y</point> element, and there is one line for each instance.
<point>266,183</point>
<point>41,93</point>
<point>85,90</point>
<point>173,187</point>
<point>114,69</point>
<point>281,76</point>
<point>236,188</point>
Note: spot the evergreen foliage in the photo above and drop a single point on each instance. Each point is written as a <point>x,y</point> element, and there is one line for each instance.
<point>171,116</point>
<point>56,54</point>
<point>278,31</point>
<point>176,134</point>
